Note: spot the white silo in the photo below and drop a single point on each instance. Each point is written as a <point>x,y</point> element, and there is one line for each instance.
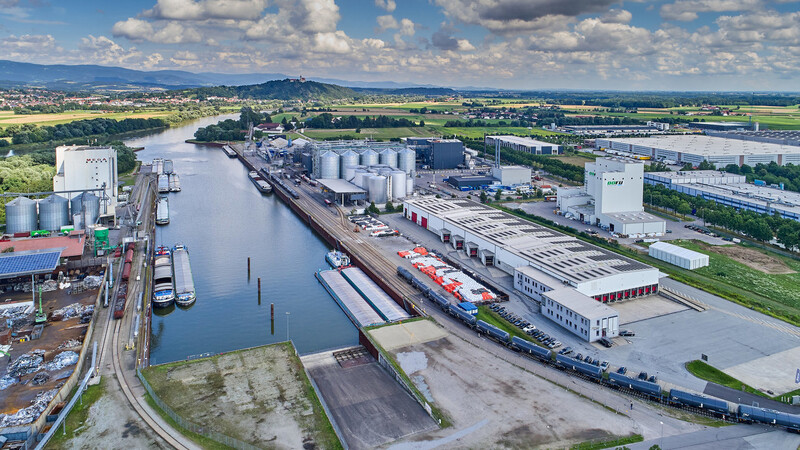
<point>388,157</point>
<point>349,172</point>
<point>348,158</point>
<point>53,213</point>
<point>407,160</point>
<point>409,186</point>
<point>369,158</point>
<point>329,165</point>
<point>359,177</point>
<point>21,215</point>
<point>377,189</point>
<point>398,184</point>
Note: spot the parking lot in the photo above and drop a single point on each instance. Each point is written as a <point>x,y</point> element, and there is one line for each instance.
<point>667,334</point>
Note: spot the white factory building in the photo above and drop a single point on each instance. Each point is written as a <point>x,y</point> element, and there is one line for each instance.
<point>540,259</point>
<point>590,320</point>
<point>678,256</point>
<point>524,144</point>
<point>611,198</point>
<point>694,149</point>
<point>730,190</point>
<point>83,167</point>
<point>512,175</point>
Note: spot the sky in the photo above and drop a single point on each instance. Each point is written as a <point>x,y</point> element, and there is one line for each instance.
<point>745,45</point>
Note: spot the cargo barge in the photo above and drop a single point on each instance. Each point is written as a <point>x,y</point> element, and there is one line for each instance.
<point>163,288</point>
<point>229,151</point>
<point>163,183</point>
<point>162,211</point>
<point>260,183</point>
<point>182,273</point>
<point>174,182</point>
<point>337,259</point>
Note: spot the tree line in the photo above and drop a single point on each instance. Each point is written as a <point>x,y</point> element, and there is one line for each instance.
<point>549,164</point>
<point>761,227</point>
<point>31,133</point>
<point>770,173</point>
<point>230,129</point>
<point>327,121</point>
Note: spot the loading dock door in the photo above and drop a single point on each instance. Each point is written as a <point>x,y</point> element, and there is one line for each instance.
<point>414,217</point>
<point>425,223</point>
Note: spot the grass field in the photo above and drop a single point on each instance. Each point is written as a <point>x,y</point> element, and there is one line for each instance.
<point>9,118</point>
<point>709,373</point>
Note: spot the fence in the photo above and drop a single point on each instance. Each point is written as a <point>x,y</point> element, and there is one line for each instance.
<point>187,425</point>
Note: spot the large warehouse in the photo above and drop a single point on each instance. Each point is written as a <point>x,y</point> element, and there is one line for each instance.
<point>694,149</point>
<point>730,190</point>
<point>511,243</point>
<point>524,144</point>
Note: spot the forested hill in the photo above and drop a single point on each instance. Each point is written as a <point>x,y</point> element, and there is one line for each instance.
<point>278,90</point>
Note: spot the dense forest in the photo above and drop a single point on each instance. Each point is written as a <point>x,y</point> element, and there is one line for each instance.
<point>276,90</point>
<point>30,133</point>
<point>326,120</point>
<point>661,99</point>
<point>232,130</point>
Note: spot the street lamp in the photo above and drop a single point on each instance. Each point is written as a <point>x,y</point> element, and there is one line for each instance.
<point>287,325</point>
<point>661,441</point>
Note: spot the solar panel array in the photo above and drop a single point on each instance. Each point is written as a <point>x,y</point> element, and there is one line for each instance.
<point>18,264</point>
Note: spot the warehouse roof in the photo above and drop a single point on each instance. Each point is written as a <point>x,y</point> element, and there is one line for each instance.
<point>677,251</point>
<point>557,254</point>
<point>72,245</point>
<point>522,141</point>
<point>709,145</point>
<point>17,264</point>
<point>338,186</point>
<point>752,194</point>
<point>690,176</point>
<point>581,304</point>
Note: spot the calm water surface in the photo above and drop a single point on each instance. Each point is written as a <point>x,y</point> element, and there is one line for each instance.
<point>223,219</point>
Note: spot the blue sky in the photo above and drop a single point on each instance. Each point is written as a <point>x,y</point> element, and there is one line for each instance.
<point>518,44</point>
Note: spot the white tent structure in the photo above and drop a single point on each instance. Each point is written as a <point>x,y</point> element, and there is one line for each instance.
<point>678,256</point>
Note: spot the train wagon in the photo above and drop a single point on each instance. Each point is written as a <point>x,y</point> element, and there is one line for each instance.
<point>699,401</point>
<point>530,348</point>
<point>645,387</point>
<point>587,369</point>
<point>490,330</point>
<point>462,315</point>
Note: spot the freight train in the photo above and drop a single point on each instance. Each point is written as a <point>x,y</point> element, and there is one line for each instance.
<point>640,387</point>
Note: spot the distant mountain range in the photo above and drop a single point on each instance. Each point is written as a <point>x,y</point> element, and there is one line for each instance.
<point>105,78</point>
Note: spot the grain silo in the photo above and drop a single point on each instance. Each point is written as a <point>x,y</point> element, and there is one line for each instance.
<point>359,178</point>
<point>409,186</point>
<point>53,213</point>
<point>346,159</point>
<point>87,205</point>
<point>369,158</point>
<point>388,157</point>
<point>329,165</point>
<point>349,172</point>
<point>377,189</point>
<point>21,215</point>
<point>407,160</point>
<point>398,184</point>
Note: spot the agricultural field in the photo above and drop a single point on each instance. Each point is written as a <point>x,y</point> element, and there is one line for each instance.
<point>9,118</point>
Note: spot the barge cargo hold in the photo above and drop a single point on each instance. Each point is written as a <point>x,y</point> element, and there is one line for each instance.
<point>260,183</point>
<point>163,289</point>
<point>174,182</point>
<point>182,272</point>
<point>356,308</point>
<point>374,295</point>
<point>337,259</point>
<point>229,151</point>
<point>162,211</point>
<point>163,183</point>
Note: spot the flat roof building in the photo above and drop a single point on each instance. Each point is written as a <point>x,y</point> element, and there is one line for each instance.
<point>524,144</point>
<point>437,153</point>
<point>694,149</point>
<point>783,137</point>
<point>471,182</point>
<point>511,243</point>
<point>721,126</point>
<point>580,314</point>
<point>611,129</point>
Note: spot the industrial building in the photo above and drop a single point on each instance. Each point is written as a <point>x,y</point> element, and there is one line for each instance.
<point>694,149</point>
<point>545,256</point>
<point>512,175</point>
<point>730,190</point>
<point>524,144</point>
<point>611,129</point>
<point>782,137</point>
<point>437,154</point>
<point>611,198</point>
<point>584,317</point>
<point>471,182</point>
<point>678,256</point>
<point>80,168</point>
<point>723,126</point>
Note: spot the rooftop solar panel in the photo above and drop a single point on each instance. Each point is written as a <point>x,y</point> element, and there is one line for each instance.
<point>27,263</point>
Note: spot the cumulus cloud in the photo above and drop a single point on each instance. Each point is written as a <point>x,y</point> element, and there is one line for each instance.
<point>443,39</point>
<point>140,30</point>
<point>303,17</point>
<point>386,22</point>
<point>331,42</point>
<point>388,5</point>
<point>206,9</point>
<point>686,10</point>
<point>616,16</point>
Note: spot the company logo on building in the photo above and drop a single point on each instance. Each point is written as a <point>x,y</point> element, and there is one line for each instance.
<point>615,183</point>
<point>591,173</point>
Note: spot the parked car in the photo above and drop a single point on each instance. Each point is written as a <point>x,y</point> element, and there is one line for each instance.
<point>579,357</point>
<point>604,365</point>
<point>622,370</point>
<point>627,333</point>
<point>588,359</point>
<point>642,375</point>
<point>653,379</point>
<point>605,342</point>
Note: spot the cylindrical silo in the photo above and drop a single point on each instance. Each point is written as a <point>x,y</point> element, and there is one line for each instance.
<point>21,215</point>
<point>87,204</point>
<point>389,157</point>
<point>377,189</point>
<point>329,165</point>
<point>369,158</point>
<point>398,184</point>
<point>168,166</point>
<point>407,160</point>
<point>53,213</point>
<point>359,176</point>
<point>409,186</point>
<point>349,172</point>
<point>348,158</point>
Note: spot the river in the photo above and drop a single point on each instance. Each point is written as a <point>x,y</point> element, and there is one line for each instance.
<point>223,220</point>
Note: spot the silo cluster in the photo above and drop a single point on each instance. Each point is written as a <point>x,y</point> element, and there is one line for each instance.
<point>51,213</point>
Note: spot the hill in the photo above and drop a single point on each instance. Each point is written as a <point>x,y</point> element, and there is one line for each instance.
<point>286,89</point>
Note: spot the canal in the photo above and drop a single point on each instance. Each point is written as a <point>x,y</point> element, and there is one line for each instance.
<point>221,217</point>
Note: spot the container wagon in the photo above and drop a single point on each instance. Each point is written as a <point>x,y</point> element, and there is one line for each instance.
<point>652,390</point>
<point>462,315</point>
<point>699,401</point>
<point>489,330</point>
<point>530,348</point>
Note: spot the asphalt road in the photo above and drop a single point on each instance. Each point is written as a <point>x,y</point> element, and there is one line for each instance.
<point>729,438</point>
